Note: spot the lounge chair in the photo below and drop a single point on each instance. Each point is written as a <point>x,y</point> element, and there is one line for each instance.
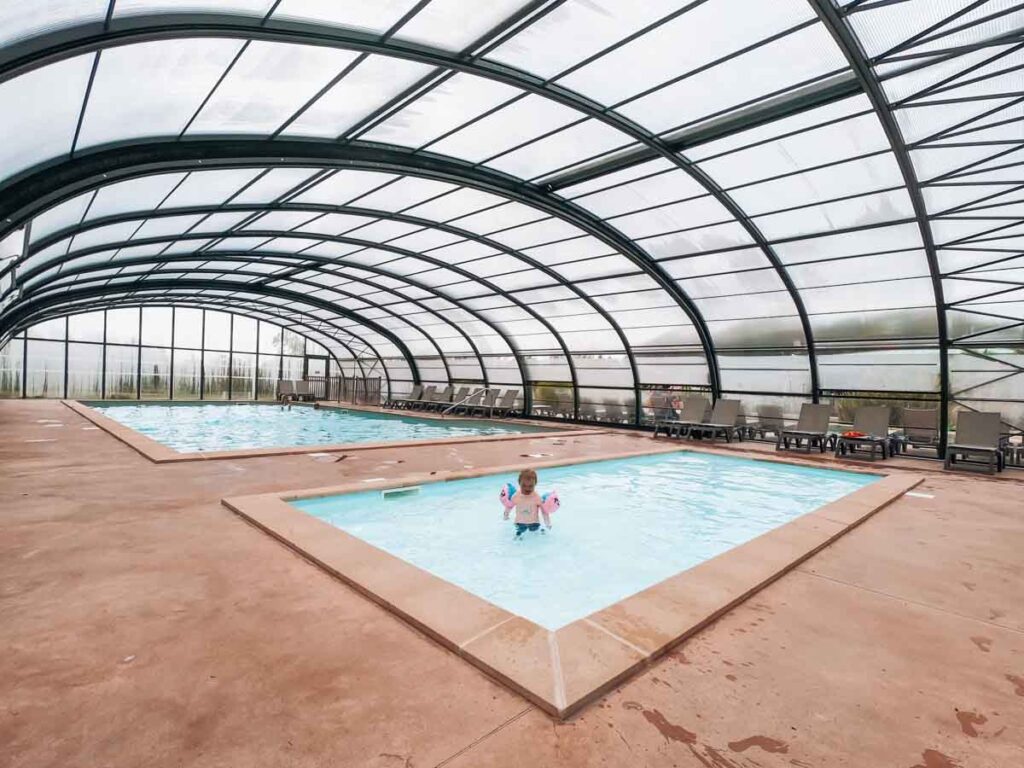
<point>461,394</point>
<point>506,403</point>
<point>429,396</point>
<point>589,412</point>
<point>812,426</point>
<point>440,400</point>
<point>724,420</point>
<point>978,433</point>
<point>303,391</point>
<point>486,405</point>
<point>285,389</point>
<point>402,402</point>
<point>920,428</point>
<point>770,421</point>
<point>694,411</point>
<point>872,421</point>
<point>469,402</point>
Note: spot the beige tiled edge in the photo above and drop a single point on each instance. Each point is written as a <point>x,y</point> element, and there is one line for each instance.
<point>561,671</point>
<point>161,454</point>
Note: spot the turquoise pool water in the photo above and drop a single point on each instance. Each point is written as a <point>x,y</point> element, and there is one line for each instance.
<point>623,526</point>
<point>225,427</point>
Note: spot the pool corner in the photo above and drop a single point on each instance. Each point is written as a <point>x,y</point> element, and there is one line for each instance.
<point>560,671</point>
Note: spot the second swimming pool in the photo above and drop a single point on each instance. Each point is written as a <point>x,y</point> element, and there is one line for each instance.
<point>623,526</point>
<point>189,428</point>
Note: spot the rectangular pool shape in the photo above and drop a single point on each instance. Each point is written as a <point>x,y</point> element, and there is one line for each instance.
<point>624,525</point>
<point>209,427</point>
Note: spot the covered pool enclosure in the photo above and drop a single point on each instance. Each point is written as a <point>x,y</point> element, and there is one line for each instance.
<point>595,203</point>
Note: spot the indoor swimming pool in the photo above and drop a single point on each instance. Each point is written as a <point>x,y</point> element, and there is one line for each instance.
<point>202,427</point>
<point>623,526</point>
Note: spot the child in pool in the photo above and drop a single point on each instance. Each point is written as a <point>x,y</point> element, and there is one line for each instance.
<point>528,505</point>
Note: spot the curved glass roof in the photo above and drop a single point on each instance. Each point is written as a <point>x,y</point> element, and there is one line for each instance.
<point>798,198</point>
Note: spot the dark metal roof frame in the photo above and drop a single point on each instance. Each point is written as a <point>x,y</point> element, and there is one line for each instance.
<point>270,234</point>
<point>858,60</point>
<point>317,264</point>
<point>129,302</point>
<point>17,311</point>
<point>51,185</point>
<point>358,211</point>
<point>57,45</point>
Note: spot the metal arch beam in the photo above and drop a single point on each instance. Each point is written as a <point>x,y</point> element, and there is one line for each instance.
<point>224,302</point>
<point>201,302</point>
<point>380,214</point>
<point>52,183</point>
<point>285,259</point>
<point>221,301</point>
<point>211,256</point>
<point>858,60</point>
<point>13,313</point>
<point>157,261</point>
<point>129,302</point>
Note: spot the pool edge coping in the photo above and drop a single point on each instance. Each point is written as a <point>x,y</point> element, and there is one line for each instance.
<point>564,670</point>
<point>158,453</point>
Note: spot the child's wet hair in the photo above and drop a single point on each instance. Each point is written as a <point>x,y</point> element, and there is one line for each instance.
<point>528,473</point>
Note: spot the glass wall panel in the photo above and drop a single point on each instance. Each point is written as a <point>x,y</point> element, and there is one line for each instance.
<point>216,372</point>
<point>156,326</point>
<point>50,329</point>
<point>243,375</point>
<point>244,334</point>
<point>123,326</point>
<point>217,331</point>
<point>11,359</point>
<point>187,373</point>
<point>269,372</point>
<point>45,369</point>
<point>270,338</point>
<point>121,371</point>
<point>156,373</point>
<point>614,406</point>
<point>85,366</point>
<point>292,367</point>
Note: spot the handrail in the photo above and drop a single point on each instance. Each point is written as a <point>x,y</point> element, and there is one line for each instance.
<point>468,397</point>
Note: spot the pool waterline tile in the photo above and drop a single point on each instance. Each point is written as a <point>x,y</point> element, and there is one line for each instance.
<point>159,453</point>
<point>561,671</point>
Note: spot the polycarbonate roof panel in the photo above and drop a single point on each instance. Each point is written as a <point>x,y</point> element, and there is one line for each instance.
<point>371,82</point>
<point>47,129</point>
<point>240,7</point>
<point>267,84</point>
<point>152,89</point>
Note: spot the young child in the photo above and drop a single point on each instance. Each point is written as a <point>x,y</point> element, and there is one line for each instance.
<point>528,505</point>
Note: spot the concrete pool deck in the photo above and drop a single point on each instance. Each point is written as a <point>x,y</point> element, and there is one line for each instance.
<point>143,623</point>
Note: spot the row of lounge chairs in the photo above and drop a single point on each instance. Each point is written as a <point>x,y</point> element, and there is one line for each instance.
<point>978,434</point>
<point>481,402</point>
<point>288,389</point>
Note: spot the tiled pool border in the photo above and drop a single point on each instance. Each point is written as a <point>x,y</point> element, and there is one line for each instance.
<point>564,670</point>
<point>159,453</point>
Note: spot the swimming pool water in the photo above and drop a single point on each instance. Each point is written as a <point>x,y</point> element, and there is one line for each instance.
<point>623,526</point>
<point>224,427</point>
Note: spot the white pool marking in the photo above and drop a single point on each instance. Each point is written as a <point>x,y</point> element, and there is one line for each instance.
<point>374,479</point>
<point>318,455</point>
<point>43,440</point>
<point>88,428</point>
<point>917,495</point>
<point>46,426</point>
